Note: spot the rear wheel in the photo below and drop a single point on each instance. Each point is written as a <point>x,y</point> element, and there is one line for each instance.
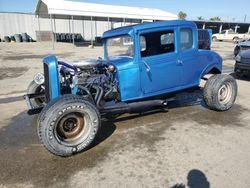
<point>220,92</point>
<point>69,126</point>
<point>214,39</point>
<point>236,39</point>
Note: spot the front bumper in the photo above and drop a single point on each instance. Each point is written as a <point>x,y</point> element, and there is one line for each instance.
<point>31,109</point>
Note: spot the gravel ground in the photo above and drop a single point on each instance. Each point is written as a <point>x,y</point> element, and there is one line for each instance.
<point>189,146</point>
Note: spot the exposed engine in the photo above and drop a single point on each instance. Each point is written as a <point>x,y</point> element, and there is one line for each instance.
<point>94,79</point>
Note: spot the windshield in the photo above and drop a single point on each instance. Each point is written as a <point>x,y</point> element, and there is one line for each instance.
<point>120,46</point>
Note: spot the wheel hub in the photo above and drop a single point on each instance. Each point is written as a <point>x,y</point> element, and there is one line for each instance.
<point>225,93</point>
<point>70,127</point>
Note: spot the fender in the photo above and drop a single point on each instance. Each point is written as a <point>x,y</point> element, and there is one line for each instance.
<point>212,62</point>
<point>212,68</point>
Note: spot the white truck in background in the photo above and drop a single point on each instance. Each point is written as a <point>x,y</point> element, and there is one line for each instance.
<point>230,35</point>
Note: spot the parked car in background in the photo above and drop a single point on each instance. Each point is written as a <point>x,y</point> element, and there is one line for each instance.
<point>229,35</point>
<point>242,65</point>
<point>204,39</point>
<point>242,46</point>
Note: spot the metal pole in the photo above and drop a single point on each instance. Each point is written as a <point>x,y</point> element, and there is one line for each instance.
<point>83,34</point>
<point>236,28</point>
<point>109,24</point>
<point>55,29</point>
<point>95,28</point>
<point>221,28</point>
<point>204,26</point>
<point>53,40</point>
<point>92,42</point>
<point>40,39</point>
<point>248,29</point>
<point>73,31</point>
<point>69,31</point>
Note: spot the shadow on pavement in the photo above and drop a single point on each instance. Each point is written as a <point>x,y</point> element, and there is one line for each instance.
<point>195,179</point>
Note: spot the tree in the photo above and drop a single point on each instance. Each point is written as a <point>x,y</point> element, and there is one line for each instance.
<point>182,15</point>
<point>215,19</point>
<point>200,18</point>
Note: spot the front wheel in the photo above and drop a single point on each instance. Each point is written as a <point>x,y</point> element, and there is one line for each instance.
<point>69,125</point>
<point>220,92</point>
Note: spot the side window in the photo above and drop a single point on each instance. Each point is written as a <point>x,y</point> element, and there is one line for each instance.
<point>157,43</point>
<point>231,32</point>
<point>186,39</point>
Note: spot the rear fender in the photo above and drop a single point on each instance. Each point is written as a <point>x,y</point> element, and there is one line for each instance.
<point>211,69</point>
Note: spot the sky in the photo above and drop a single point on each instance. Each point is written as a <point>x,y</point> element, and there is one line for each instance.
<point>225,9</point>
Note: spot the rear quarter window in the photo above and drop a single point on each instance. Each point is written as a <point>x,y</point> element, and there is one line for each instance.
<point>186,38</point>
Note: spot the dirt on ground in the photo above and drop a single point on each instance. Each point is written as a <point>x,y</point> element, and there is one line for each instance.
<point>188,146</point>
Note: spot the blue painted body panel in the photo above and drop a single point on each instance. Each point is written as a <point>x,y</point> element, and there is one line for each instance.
<point>166,73</point>
<point>210,31</point>
<point>54,78</point>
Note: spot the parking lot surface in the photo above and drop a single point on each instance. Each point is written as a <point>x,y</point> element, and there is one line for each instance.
<point>189,146</point>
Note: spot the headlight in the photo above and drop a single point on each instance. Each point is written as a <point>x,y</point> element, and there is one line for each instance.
<point>238,58</point>
<point>39,78</point>
<point>111,68</point>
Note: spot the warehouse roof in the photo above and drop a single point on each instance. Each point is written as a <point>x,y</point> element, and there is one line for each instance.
<point>62,8</point>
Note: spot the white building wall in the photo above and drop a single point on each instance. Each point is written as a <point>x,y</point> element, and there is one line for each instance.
<point>17,23</point>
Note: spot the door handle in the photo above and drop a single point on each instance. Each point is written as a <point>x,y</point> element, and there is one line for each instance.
<point>147,66</point>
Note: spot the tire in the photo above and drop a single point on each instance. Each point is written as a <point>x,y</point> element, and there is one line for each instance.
<point>68,125</point>
<point>236,50</point>
<point>236,39</point>
<point>36,88</point>
<point>220,92</point>
<point>214,39</point>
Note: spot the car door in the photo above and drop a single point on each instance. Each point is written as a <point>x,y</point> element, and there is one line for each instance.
<point>222,35</point>
<point>160,68</point>
<point>191,67</point>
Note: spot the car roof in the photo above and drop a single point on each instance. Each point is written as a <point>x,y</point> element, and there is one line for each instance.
<point>137,27</point>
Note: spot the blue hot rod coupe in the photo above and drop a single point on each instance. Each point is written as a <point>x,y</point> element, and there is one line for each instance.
<point>143,66</point>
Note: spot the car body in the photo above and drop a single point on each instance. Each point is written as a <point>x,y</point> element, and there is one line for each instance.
<point>242,64</point>
<point>143,67</point>
<point>230,35</point>
<point>204,39</point>
<point>242,46</point>
<point>185,68</point>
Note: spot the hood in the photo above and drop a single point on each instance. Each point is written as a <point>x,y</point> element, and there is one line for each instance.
<point>245,43</point>
<point>245,54</point>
